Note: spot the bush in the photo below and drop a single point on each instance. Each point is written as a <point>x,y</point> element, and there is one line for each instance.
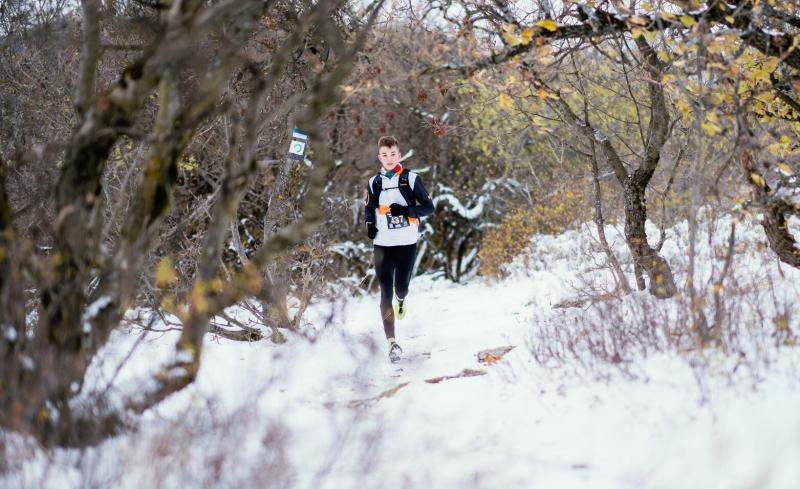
<point>554,215</point>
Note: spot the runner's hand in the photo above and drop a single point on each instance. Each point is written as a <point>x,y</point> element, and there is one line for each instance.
<point>398,210</point>
<point>372,231</point>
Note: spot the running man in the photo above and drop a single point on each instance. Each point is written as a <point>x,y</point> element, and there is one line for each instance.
<point>396,200</point>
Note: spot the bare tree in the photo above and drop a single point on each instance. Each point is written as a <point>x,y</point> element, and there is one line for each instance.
<point>84,286</point>
<point>634,184</point>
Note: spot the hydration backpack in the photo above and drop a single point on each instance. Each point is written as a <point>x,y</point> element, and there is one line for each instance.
<point>403,186</point>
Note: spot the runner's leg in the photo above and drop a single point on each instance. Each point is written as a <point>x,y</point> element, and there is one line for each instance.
<point>384,269</point>
<point>405,265</point>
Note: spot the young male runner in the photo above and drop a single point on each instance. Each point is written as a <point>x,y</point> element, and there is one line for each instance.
<point>396,200</point>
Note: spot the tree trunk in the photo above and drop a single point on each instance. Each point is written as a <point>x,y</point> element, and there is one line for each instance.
<point>662,283</point>
<point>780,240</point>
<point>599,222</point>
<point>775,210</point>
<point>276,290</point>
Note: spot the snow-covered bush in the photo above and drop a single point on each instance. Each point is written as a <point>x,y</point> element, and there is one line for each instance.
<point>742,305</point>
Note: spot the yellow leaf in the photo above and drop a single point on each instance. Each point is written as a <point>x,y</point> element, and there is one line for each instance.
<point>730,19</point>
<point>506,101</point>
<point>646,6</point>
<point>168,304</point>
<point>215,285</point>
<point>688,21</point>
<point>684,107</point>
<point>716,47</point>
<point>544,93</point>
<point>637,20</point>
<point>527,35</point>
<point>711,128</point>
<point>758,179</point>
<point>637,32</point>
<point>548,24</point>
<point>664,56</point>
<point>165,273</point>
<point>510,34</point>
<point>543,54</point>
<point>511,39</point>
<point>199,298</point>
<point>347,88</point>
<point>785,169</point>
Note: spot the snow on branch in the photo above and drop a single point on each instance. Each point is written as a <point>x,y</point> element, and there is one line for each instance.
<point>461,209</point>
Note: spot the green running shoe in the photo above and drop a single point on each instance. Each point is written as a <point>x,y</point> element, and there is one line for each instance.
<point>400,309</point>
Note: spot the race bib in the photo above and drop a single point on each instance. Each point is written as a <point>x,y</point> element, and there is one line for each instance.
<point>396,222</point>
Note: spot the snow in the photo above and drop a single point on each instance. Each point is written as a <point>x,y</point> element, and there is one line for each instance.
<point>599,136</point>
<point>773,32</point>
<point>184,356</point>
<point>459,208</point>
<point>327,409</point>
<point>28,363</point>
<point>92,311</point>
<point>95,307</point>
<point>349,248</point>
<point>789,190</point>
<point>9,333</point>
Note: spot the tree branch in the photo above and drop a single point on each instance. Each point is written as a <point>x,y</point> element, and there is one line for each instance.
<point>208,301</point>
<point>90,56</point>
<point>659,116</point>
<point>600,23</point>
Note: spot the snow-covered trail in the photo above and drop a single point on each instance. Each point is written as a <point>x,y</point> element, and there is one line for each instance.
<point>523,425</point>
<point>334,413</point>
<point>330,410</point>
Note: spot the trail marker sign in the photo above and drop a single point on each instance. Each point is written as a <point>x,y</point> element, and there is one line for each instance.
<point>297,148</point>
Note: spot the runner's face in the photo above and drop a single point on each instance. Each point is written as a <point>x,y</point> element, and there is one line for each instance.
<point>389,157</point>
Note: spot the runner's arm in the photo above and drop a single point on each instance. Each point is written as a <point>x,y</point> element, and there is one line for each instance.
<point>369,206</point>
<point>425,207</point>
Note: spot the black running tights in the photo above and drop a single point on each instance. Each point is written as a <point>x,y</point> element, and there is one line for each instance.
<point>393,266</point>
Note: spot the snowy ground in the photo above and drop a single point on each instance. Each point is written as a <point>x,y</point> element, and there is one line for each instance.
<point>332,412</point>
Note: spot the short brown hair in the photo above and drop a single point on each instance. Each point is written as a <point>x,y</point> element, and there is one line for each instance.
<point>387,141</point>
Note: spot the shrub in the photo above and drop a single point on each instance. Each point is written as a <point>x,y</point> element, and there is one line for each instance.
<point>553,215</point>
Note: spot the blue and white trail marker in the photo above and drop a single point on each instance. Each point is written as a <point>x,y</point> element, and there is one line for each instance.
<point>297,148</point>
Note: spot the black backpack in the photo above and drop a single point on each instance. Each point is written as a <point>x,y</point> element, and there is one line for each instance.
<point>404,187</point>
